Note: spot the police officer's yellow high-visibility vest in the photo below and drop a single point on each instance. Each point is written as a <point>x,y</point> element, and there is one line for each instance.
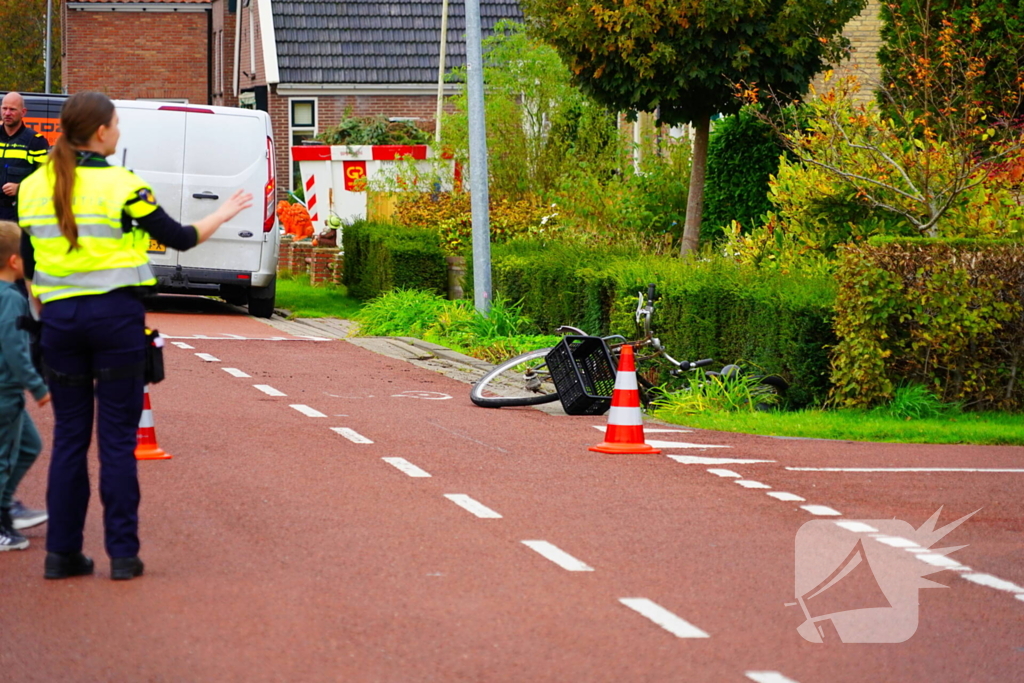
<point>108,256</point>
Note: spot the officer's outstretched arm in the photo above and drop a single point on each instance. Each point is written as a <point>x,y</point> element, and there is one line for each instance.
<point>237,202</point>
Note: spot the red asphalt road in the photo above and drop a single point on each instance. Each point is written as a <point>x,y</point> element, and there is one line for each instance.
<point>276,549</point>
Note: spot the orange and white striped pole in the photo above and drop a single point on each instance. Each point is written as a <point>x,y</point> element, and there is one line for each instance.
<point>146,447</point>
<point>625,432</point>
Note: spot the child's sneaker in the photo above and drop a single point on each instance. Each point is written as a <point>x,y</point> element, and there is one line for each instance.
<point>9,538</point>
<point>26,518</point>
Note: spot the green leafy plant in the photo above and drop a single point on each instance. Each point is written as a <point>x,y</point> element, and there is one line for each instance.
<point>375,130</point>
<point>916,402</point>
<point>947,314</point>
<point>716,394</point>
<point>400,312</point>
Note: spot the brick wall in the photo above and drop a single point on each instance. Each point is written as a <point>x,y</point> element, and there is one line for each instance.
<point>132,55</point>
<point>864,32</point>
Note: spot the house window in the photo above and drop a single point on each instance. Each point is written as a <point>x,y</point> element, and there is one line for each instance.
<point>302,120</point>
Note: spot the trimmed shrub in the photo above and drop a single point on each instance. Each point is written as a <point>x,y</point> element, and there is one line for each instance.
<point>948,314</point>
<point>776,323</point>
<point>380,257</point>
<point>743,154</point>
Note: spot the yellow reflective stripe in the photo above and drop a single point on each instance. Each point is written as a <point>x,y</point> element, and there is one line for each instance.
<point>28,219</point>
<point>96,230</point>
<point>14,153</point>
<point>102,280</point>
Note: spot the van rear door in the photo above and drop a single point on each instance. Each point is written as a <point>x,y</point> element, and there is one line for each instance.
<point>152,144</point>
<point>224,152</point>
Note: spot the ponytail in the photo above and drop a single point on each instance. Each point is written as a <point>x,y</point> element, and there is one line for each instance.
<point>80,118</point>
<point>63,163</point>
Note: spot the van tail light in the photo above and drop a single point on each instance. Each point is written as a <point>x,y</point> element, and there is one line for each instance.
<point>269,190</point>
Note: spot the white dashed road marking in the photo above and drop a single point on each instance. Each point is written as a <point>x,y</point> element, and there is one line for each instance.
<point>662,617</point>
<point>182,345</point>
<point>269,390</point>
<point>724,473</point>
<point>941,561</point>
<point>406,466</point>
<point>768,677</point>
<point>858,527</point>
<point>235,372</point>
<point>896,541</point>
<point>683,444</point>
<point>821,510</point>
<point>307,411</point>
<point>208,358</point>
<point>904,469</point>
<point>993,582</point>
<point>750,484</point>
<point>558,556</point>
<point>784,496</point>
<point>701,460</point>
<point>477,508</point>
<point>351,434</point>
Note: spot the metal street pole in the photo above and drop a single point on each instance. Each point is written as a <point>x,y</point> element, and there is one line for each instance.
<point>478,160</point>
<point>49,40</point>
<point>440,71</point>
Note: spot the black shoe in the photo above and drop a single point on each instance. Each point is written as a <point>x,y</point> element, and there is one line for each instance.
<point>65,565</point>
<point>124,568</point>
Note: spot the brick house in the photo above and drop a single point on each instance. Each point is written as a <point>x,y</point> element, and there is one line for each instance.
<point>156,49</point>
<point>308,62</point>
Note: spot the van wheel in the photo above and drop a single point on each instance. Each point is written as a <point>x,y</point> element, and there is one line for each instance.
<point>261,300</point>
<point>235,295</point>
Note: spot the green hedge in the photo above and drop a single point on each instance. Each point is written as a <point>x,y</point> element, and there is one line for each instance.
<point>780,324</point>
<point>743,154</point>
<point>380,257</point>
<point>948,314</point>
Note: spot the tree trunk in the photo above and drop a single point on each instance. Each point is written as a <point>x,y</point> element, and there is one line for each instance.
<point>695,199</point>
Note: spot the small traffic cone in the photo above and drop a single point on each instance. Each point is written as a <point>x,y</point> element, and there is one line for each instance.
<point>146,447</point>
<point>625,423</point>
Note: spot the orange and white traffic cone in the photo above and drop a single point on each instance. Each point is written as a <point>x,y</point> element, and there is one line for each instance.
<point>625,423</point>
<point>146,447</point>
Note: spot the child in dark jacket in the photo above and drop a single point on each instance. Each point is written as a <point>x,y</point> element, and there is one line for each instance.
<point>19,440</point>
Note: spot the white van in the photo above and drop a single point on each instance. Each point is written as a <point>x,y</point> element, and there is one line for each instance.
<point>195,157</point>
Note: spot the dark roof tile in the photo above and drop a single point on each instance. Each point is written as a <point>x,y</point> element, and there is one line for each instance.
<point>355,41</point>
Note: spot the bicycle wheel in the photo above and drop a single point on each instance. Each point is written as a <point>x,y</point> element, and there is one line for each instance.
<point>520,381</point>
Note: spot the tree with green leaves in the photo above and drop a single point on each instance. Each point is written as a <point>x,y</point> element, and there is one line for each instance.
<point>686,59</point>
<point>23,35</point>
<point>948,58</point>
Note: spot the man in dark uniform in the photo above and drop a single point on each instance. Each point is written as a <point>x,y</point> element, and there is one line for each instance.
<point>22,150</point>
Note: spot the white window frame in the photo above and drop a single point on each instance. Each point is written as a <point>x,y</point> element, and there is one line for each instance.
<point>292,129</point>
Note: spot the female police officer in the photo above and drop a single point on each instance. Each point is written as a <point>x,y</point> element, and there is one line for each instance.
<point>86,228</point>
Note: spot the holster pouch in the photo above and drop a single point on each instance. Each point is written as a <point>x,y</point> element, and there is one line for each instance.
<point>154,357</point>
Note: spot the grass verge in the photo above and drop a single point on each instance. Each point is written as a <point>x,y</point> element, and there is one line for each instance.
<point>296,295</point>
<point>851,425</point>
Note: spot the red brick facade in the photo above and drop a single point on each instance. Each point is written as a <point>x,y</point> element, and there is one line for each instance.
<point>153,54</point>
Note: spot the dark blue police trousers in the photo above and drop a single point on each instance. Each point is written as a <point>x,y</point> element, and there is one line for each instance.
<point>81,336</point>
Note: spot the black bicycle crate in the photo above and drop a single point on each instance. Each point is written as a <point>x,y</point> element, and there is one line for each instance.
<point>582,370</point>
